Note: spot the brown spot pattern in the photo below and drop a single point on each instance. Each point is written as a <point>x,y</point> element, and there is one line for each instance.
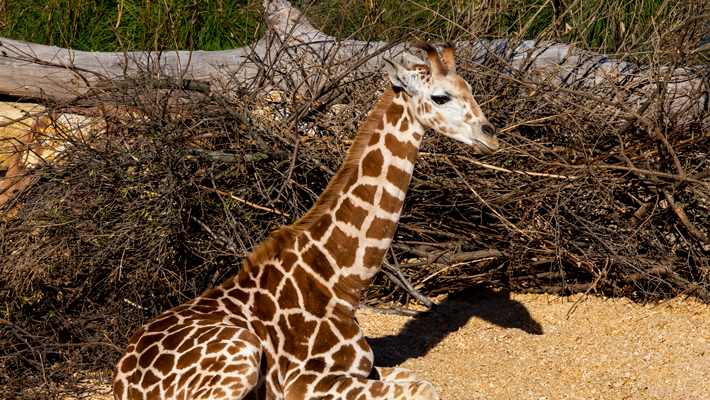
<point>325,339</point>
<point>245,281</point>
<point>263,308</point>
<point>319,227</point>
<point>288,258</point>
<point>164,364</point>
<point>394,113</point>
<point>147,341</point>
<point>374,139</point>
<point>128,364</point>
<point>404,125</point>
<point>390,203</point>
<point>365,364</point>
<point>314,258</point>
<point>380,228</point>
<point>350,213</point>
<point>398,390</point>
<point>399,149</point>
<point>350,288</point>
<point>229,284</point>
<point>373,257</point>
<point>353,179</point>
<point>271,278</point>
<point>366,193</point>
<point>340,246</point>
<point>344,358</point>
<point>353,393</point>
<point>147,357</point>
<point>149,379</point>
<point>398,177</point>
<point>298,345</point>
<point>302,243</point>
<point>239,295</point>
<point>316,296</point>
<point>186,345</point>
<point>372,163</point>
<point>188,358</point>
<point>288,298</point>
<point>378,389</point>
<point>206,334</point>
<point>316,364</point>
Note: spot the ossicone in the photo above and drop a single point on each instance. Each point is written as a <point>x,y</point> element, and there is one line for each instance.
<point>439,66</point>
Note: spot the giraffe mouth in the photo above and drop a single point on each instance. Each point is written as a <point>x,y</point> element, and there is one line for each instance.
<point>484,148</point>
<point>483,140</point>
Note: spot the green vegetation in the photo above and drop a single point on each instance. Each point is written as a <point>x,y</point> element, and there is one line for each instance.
<point>607,26</point>
<point>140,24</point>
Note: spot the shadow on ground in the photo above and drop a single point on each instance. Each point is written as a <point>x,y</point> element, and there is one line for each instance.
<point>422,334</point>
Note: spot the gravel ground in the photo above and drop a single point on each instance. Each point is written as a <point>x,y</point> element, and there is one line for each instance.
<point>496,345</point>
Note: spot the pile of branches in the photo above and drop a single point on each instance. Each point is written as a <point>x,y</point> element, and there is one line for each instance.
<point>582,199</point>
<point>164,201</point>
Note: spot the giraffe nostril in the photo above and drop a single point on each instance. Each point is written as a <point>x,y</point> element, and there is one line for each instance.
<point>489,129</point>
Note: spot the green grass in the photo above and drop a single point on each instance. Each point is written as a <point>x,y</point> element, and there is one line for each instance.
<point>606,26</point>
<point>140,24</point>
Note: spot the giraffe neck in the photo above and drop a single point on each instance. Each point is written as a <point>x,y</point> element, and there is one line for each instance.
<point>335,250</point>
<point>354,224</point>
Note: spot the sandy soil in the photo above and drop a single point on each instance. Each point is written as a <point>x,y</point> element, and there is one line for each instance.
<point>496,345</point>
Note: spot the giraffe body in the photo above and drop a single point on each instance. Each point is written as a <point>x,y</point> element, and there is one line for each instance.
<point>284,327</point>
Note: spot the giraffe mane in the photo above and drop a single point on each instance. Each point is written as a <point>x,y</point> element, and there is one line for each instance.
<point>287,235</point>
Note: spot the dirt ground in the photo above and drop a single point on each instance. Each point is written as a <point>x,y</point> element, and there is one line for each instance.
<point>497,345</point>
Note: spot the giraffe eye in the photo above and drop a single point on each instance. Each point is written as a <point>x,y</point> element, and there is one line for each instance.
<point>440,99</point>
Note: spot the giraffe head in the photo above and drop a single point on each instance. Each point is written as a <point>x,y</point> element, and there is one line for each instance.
<point>443,100</point>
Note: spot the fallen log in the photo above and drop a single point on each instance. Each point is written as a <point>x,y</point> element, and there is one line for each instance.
<point>293,52</point>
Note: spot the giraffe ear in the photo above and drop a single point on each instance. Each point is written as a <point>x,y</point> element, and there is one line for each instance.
<point>411,61</point>
<point>401,77</point>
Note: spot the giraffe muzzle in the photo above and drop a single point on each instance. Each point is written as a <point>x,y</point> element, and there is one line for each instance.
<point>486,142</point>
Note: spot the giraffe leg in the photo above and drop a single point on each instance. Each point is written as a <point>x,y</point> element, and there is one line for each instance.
<point>190,362</point>
<point>312,387</point>
<point>395,374</point>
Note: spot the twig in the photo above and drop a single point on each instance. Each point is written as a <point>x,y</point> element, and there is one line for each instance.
<point>584,296</point>
<point>450,266</point>
<point>684,217</point>
<point>511,127</point>
<point>497,214</point>
<point>233,197</point>
<point>218,238</point>
<point>393,309</point>
<point>403,282</point>
<point>472,161</point>
<point>443,258</point>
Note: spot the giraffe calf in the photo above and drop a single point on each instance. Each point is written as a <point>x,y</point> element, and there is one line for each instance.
<point>284,327</point>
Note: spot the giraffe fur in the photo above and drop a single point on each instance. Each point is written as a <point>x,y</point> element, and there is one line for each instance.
<point>284,327</point>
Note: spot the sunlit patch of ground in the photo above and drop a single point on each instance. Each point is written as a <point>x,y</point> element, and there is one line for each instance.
<point>495,345</point>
